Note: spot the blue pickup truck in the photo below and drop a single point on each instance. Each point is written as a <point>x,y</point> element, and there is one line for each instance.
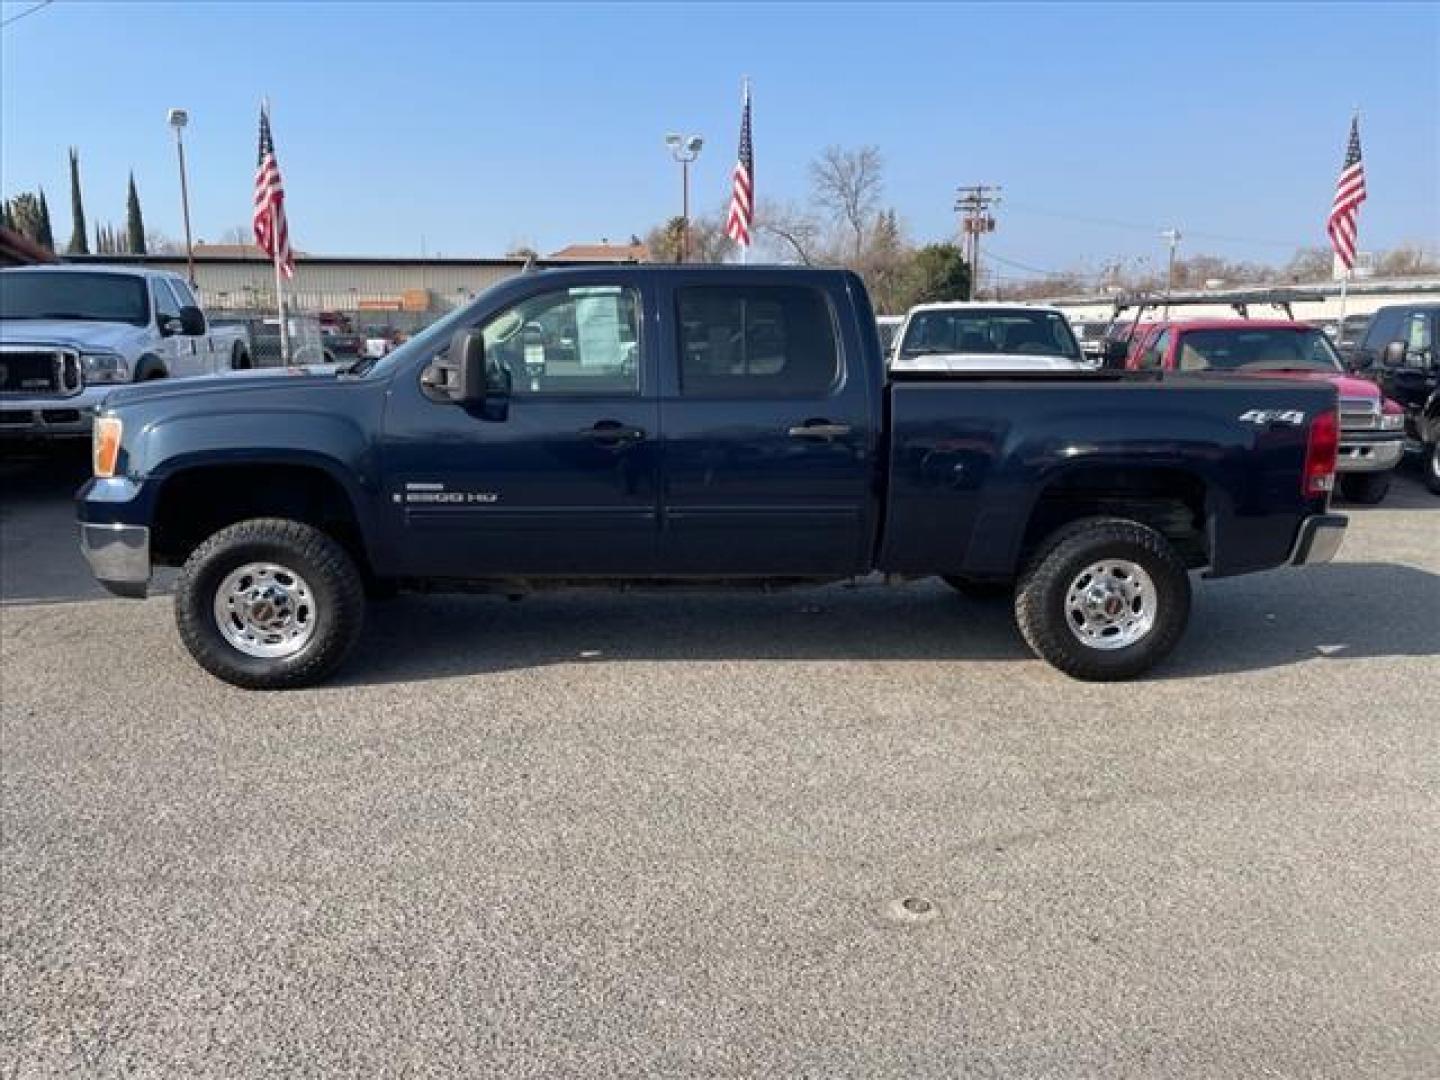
<point>707,426</point>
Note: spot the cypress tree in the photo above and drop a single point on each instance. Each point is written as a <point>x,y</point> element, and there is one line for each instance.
<point>46,239</point>
<point>79,245</point>
<point>134,222</point>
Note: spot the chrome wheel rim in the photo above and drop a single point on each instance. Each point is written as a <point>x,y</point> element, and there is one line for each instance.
<point>265,610</point>
<point>1111,604</point>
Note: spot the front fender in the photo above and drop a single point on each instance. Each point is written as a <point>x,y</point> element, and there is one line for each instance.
<point>341,446</point>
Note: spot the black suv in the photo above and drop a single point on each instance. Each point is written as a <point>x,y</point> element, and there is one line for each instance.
<point>1399,352</point>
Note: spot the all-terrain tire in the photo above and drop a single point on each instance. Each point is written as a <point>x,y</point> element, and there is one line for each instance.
<point>1040,599</point>
<point>1365,488</point>
<point>338,599</point>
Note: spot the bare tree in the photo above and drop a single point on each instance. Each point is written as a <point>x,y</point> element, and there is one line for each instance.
<point>157,243</point>
<point>847,184</point>
<point>789,233</point>
<point>1406,260</point>
<point>238,234</point>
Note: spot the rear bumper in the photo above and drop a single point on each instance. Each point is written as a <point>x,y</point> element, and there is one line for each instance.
<point>119,557</point>
<point>1319,539</point>
<point>51,416</point>
<point>1378,452</point>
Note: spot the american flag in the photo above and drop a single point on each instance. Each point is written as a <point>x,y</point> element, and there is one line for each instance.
<point>742,189</point>
<point>1349,194</point>
<point>272,234</point>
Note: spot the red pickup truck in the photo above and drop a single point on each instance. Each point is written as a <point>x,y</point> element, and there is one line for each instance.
<point>1372,427</point>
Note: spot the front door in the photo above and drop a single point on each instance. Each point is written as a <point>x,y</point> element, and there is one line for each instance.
<point>769,437</point>
<point>557,479</point>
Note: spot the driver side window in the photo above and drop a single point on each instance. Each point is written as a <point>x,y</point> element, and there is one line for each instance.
<point>579,341</point>
<point>166,306</point>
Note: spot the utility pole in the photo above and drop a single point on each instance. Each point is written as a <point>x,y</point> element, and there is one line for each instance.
<point>1172,236</point>
<point>973,203</point>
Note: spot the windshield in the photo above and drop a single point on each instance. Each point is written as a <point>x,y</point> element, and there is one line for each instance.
<point>90,297</point>
<point>1277,349</point>
<point>990,331</point>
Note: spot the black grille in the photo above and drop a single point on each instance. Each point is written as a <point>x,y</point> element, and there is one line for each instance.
<point>29,372</point>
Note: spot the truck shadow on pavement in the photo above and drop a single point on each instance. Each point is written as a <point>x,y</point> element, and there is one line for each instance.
<point>1338,612</point>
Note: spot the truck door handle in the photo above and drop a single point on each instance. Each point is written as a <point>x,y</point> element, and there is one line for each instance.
<point>612,433</point>
<point>819,429</point>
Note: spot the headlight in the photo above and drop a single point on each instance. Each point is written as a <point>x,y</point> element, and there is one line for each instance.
<point>1392,421</point>
<point>105,445</point>
<point>105,367</point>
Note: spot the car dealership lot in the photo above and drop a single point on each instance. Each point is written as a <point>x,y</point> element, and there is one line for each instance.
<point>591,834</point>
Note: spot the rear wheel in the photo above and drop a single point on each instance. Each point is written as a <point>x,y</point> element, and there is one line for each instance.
<point>1104,599</point>
<point>269,604</point>
<point>1432,466</point>
<point>1366,488</point>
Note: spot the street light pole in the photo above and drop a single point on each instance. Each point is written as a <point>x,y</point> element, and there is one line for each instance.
<point>684,149</point>
<point>1173,236</point>
<point>178,118</point>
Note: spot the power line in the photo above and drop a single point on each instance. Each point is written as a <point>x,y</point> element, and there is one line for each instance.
<point>1135,226</point>
<point>27,11</point>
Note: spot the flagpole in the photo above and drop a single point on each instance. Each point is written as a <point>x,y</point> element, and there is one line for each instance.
<point>279,276</point>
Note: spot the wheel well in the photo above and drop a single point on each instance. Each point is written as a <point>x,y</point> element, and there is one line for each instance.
<point>1170,501</point>
<point>196,503</point>
<point>148,367</point>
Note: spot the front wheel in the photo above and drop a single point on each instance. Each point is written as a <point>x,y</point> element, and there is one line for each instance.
<point>1365,488</point>
<point>1432,466</point>
<point>269,604</point>
<point>1104,599</point>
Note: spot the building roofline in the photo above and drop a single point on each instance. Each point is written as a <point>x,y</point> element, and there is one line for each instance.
<point>202,259</point>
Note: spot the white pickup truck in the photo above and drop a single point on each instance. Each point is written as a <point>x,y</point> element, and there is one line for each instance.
<point>977,336</point>
<point>69,334</point>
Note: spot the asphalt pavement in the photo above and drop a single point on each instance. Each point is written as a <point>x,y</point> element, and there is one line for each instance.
<point>852,832</point>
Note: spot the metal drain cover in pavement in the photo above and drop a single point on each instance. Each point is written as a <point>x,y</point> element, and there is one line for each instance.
<point>912,910</point>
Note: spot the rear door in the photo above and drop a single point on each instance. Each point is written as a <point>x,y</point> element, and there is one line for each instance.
<point>770,447</point>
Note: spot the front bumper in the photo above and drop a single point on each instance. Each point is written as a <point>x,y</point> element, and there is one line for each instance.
<point>1319,539</point>
<point>52,416</point>
<point>1377,451</point>
<point>119,557</point>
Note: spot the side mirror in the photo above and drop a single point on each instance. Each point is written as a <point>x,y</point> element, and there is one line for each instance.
<point>460,375</point>
<point>192,321</point>
<point>1394,354</point>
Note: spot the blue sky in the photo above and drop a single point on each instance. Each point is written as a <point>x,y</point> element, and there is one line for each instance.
<point>469,129</point>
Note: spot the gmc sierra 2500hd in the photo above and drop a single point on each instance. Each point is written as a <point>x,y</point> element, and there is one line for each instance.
<point>712,425</point>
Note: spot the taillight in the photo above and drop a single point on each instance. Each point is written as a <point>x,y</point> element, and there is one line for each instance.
<point>1322,451</point>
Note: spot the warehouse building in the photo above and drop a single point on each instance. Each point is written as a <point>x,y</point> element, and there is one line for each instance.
<point>239,279</point>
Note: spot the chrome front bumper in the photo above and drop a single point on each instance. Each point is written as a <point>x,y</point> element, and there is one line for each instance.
<point>1319,539</point>
<point>51,415</point>
<point>1370,453</point>
<point>119,557</point>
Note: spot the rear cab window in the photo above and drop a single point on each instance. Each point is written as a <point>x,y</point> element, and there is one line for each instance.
<point>769,341</point>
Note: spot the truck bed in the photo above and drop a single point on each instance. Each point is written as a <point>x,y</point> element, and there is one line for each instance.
<point>971,456</point>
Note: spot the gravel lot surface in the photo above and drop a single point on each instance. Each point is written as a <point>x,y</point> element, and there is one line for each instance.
<point>594,835</point>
